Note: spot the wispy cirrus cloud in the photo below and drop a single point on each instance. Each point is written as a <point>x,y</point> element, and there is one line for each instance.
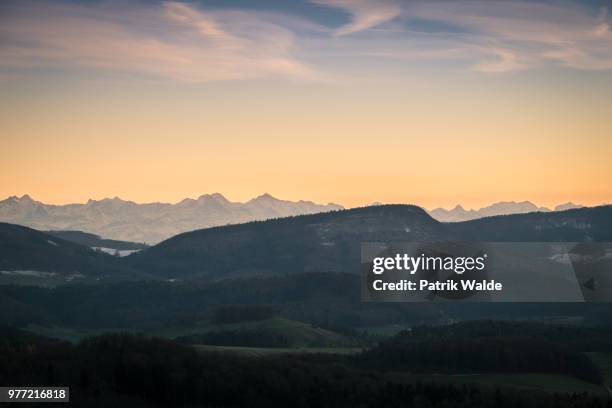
<point>491,36</point>
<point>508,36</point>
<point>170,40</point>
<point>364,13</point>
<point>185,42</point>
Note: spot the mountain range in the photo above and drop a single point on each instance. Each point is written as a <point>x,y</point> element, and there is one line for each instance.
<point>117,219</point>
<point>459,213</point>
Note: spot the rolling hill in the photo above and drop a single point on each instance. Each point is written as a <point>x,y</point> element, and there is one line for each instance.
<point>326,242</point>
<point>324,299</point>
<point>574,225</point>
<point>29,254</point>
<point>330,242</point>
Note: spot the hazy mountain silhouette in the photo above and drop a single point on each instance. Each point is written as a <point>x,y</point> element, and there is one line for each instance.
<point>501,208</point>
<point>118,219</point>
<point>567,206</point>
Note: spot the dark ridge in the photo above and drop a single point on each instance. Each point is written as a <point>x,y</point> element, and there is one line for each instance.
<point>600,209</point>
<point>574,225</point>
<point>378,210</point>
<point>328,242</point>
<point>23,248</point>
<point>331,242</point>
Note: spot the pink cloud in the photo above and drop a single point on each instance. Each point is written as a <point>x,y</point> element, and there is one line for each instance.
<point>172,40</point>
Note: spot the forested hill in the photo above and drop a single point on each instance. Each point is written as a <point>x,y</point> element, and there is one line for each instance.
<point>330,242</point>
<point>26,251</point>
<point>493,346</point>
<point>327,242</point>
<point>575,225</point>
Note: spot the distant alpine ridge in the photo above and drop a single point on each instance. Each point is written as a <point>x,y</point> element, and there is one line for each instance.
<point>150,223</point>
<point>458,213</point>
<point>117,219</point>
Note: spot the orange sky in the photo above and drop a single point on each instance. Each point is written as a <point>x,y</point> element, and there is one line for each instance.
<point>329,145</point>
<point>432,133</point>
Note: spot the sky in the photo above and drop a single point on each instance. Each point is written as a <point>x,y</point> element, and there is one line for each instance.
<point>435,103</point>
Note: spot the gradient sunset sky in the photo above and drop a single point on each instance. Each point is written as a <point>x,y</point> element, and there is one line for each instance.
<point>348,101</point>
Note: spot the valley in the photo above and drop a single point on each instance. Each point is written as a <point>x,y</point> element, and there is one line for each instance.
<point>271,294</point>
